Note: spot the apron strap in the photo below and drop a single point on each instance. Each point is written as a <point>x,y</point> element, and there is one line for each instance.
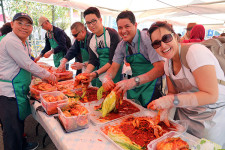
<point>84,41</point>
<point>104,38</point>
<point>5,81</point>
<point>128,48</point>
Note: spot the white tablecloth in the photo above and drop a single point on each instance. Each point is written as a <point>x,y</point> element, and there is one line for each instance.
<point>86,139</point>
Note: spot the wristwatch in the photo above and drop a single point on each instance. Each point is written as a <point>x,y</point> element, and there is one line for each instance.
<point>176,101</point>
<point>137,80</point>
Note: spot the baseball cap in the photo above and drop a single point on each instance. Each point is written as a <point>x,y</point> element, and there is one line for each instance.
<point>41,20</point>
<point>22,15</point>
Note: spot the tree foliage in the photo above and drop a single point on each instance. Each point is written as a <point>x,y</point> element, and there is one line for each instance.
<point>35,10</point>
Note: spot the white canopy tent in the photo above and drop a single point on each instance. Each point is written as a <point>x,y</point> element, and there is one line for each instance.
<point>210,13</point>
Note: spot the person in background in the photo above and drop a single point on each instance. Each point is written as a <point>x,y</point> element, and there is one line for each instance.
<point>197,34</point>
<point>55,41</point>
<point>16,67</point>
<point>187,34</point>
<point>79,49</point>
<point>222,35</point>
<point>146,64</point>
<point>5,29</point>
<point>103,43</point>
<point>194,91</point>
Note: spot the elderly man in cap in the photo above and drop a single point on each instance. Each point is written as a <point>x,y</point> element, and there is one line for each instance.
<point>188,33</point>
<point>57,42</point>
<point>16,67</point>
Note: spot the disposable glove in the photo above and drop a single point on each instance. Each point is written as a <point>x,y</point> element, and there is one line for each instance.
<point>77,65</point>
<point>51,79</point>
<point>166,102</point>
<point>124,85</point>
<point>62,66</point>
<point>37,59</point>
<point>48,54</point>
<point>107,83</point>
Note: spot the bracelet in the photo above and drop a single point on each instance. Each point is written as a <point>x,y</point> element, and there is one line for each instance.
<point>97,75</point>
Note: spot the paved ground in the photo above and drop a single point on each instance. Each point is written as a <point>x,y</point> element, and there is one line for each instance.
<point>30,125</point>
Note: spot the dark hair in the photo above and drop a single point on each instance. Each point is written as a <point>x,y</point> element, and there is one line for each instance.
<point>6,28</point>
<point>77,26</point>
<point>159,24</point>
<point>126,14</point>
<point>222,34</point>
<point>92,10</point>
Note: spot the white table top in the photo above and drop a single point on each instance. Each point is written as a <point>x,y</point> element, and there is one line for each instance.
<point>86,139</point>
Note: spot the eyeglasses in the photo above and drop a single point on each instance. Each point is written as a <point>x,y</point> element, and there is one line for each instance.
<point>165,39</point>
<point>21,24</point>
<point>93,22</point>
<point>75,35</point>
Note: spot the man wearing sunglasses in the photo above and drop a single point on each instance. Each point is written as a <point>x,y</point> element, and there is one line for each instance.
<point>56,42</point>
<point>188,32</point>
<point>146,64</point>
<point>79,49</point>
<point>102,45</point>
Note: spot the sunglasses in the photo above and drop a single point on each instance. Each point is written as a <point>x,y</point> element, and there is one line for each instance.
<point>75,35</point>
<point>165,39</point>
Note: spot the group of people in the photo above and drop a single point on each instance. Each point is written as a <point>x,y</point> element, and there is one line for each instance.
<point>194,91</point>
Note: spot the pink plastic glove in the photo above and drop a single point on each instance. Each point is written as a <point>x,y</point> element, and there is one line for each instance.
<point>37,59</point>
<point>108,83</point>
<point>124,85</point>
<point>164,102</point>
<point>77,65</point>
<point>90,76</point>
<point>48,54</point>
<point>62,66</point>
<point>51,79</point>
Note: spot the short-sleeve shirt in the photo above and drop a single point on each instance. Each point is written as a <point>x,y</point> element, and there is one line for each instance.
<point>146,49</point>
<point>198,56</point>
<point>112,40</point>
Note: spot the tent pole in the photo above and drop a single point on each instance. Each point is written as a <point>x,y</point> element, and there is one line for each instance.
<point>3,13</point>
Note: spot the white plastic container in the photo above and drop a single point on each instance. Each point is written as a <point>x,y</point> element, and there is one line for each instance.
<point>51,107</point>
<point>181,127</point>
<point>152,145</point>
<point>73,123</point>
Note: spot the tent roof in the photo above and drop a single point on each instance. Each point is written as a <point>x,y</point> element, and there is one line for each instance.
<point>210,13</point>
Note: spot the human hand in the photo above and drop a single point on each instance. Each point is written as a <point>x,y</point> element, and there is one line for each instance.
<point>124,85</point>
<point>164,102</point>
<point>48,54</point>
<point>62,66</point>
<point>77,65</point>
<point>108,83</point>
<point>51,79</point>
<point>37,59</point>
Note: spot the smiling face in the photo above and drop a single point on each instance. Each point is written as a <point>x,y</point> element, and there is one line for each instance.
<point>126,29</point>
<point>78,35</point>
<point>94,24</point>
<point>169,49</point>
<point>22,27</point>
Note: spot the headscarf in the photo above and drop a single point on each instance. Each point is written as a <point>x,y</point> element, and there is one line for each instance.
<point>198,32</point>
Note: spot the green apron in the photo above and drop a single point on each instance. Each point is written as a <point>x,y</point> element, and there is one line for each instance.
<point>1,37</point>
<point>21,84</point>
<point>140,65</point>
<point>85,57</point>
<point>104,59</point>
<point>56,57</point>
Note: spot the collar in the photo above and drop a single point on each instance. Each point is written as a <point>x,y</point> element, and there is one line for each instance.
<point>134,41</point>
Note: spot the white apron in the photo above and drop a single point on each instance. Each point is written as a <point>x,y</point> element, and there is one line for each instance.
<point>206,121</point>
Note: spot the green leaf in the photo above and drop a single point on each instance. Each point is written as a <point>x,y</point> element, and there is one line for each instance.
<point>100,92</point>
<point>108,104</point>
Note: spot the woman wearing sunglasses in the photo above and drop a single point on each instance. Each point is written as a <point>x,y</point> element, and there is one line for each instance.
<point>195,91</point>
